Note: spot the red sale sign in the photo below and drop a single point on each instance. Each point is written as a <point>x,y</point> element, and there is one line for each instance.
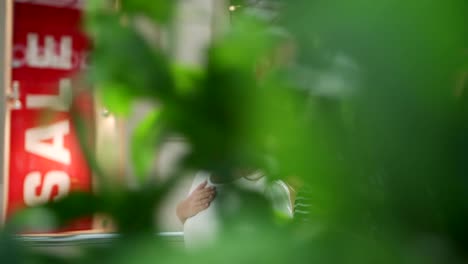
<point>46,161</point>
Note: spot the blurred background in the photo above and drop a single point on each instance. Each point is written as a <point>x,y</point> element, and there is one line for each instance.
<point>357,108</point>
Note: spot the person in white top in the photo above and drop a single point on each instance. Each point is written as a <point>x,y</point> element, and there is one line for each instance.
<point>200,210</point>
<point>199,199</point>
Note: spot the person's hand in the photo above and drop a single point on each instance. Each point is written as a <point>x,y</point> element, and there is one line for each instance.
<point>196,202</point>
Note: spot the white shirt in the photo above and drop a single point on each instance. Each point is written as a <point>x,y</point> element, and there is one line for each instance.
<point>201,230</point>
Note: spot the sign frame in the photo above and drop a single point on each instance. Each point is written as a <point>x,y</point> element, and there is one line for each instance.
<point>6,42</point>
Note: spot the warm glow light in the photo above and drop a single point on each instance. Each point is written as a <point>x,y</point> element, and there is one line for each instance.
<point>232,8</point>
<point>105,112</point>
<point>17,105</point>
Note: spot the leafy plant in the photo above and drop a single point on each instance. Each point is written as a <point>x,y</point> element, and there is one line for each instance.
<point>356,99</point>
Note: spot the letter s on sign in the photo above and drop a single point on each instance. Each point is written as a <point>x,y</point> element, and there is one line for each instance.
<point>51,179</point>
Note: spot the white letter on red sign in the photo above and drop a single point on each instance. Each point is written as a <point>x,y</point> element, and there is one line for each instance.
<point>60,102</point>
<point>56,150</point>
<point>51,179</point>
<point>46,57</point>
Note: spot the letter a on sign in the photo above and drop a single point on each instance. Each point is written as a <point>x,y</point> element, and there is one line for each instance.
<point>56,150</point>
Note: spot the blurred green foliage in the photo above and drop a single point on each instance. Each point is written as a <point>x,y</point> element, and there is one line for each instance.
<point>357,99</point>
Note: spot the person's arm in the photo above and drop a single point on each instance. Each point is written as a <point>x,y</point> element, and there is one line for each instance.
<point>196,202</point>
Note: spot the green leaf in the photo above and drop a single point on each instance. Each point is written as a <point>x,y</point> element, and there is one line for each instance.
<point>11,251</point>
<point>159,10</point>
<point>245,44</point>
<point>117,98</point>
<point>144,143</point>
<point>74,206</point>
<point>121,57</point>
<point>186,78</point>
